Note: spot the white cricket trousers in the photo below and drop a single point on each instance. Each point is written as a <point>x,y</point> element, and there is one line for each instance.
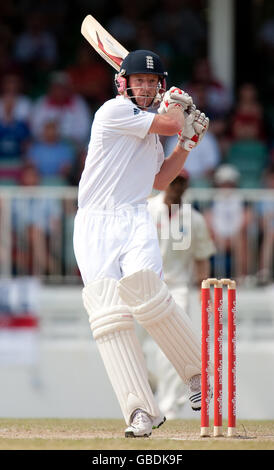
<point>114,244</point>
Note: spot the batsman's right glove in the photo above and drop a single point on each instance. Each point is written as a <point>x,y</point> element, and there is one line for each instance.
<point>175,97</point>
<point>195,127</point>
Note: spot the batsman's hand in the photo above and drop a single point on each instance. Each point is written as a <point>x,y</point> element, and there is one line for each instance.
<point>196,125</point>
<point>175,97</point>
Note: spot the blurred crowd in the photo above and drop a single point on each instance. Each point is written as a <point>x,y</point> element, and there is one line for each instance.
<point>52,83</point>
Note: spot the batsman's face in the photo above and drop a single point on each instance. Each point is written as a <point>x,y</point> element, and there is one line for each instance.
<point>144,88</point>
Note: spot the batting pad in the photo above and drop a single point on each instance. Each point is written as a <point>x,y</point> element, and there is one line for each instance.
<point>154,308</point>
<point>113,329</point>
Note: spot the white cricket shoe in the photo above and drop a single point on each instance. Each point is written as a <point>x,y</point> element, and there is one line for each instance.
<point>195,401</point>
<point>158,421</point>
<point>140,426</point>
<point>195,394</point>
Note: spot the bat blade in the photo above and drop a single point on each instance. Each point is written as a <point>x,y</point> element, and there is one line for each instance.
<point>110,49</point>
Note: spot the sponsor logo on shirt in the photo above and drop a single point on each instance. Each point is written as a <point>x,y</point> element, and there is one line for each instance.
<point>136,111</point>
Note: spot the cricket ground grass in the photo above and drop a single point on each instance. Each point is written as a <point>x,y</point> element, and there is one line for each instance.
<point>108,434</point>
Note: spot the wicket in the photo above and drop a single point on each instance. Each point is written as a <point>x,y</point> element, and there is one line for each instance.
<point>218,356</point>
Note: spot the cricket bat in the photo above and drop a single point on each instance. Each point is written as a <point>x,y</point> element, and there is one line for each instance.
<point>110,49</point>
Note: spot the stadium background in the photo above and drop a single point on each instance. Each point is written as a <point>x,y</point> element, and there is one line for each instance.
<point>222,50</point>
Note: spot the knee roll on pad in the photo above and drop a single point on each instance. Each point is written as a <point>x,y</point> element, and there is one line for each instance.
<point>106,312</point>
<point>112,326</point>
<point>154,308</point>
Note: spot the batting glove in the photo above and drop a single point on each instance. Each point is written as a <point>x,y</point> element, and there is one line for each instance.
<point>175,97</point>
<point>195,127</point>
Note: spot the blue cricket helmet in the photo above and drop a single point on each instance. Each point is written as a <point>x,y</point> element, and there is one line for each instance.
<point>141,61</point>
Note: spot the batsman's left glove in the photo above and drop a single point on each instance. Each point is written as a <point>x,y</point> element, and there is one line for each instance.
<point>195,127</point>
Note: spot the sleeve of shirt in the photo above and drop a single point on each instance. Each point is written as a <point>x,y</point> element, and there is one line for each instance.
<point>203,246</point>
<point>122,117</point>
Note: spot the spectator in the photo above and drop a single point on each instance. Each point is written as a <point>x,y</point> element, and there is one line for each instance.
<point>265,210</point>
<point>35,47</point>
<point>14,138</point>
<point>228,219</point>
<point>182,270</point>
<point>11,87</point>
<point>219,120</point>
<point>247,152</point>
<point>269,113</point>
<point>248,107</point>
<point>208,93</point>
<point>7,62</point>
<point>265,38</point>
<point>51,155</point>
<point>62,104</point>
<point>265,62</point>
<point>182,24</point>
<point>6,34</point>
<point>35,221</point>
<point>124,25</point>
<point>148,40</point>
<point>219,128</point>
<point>90,76</point>
<point>202,161</point>
<point>248,101</point>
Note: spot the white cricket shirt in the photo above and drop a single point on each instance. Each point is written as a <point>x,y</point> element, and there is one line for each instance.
<point>122,158</point>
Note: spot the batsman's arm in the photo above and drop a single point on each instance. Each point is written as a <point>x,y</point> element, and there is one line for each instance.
<point>169,123</point>
<point>170,168</point>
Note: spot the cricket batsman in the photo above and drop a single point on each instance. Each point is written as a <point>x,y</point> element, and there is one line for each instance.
<point>115,239</point>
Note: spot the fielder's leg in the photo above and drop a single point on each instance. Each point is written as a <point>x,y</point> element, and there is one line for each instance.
<point>112,325</point>
<point>154,308</point>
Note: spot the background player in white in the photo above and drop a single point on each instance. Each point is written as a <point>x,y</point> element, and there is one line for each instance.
<point>115,240</point>
<point>182,269</point>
